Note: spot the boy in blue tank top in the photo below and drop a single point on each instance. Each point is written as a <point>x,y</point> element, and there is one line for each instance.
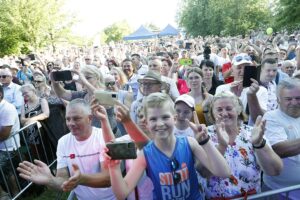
<point>168,159</point>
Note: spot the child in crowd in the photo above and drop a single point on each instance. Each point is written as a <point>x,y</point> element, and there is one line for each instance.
<point>184,107</point>
<point>167,159</point>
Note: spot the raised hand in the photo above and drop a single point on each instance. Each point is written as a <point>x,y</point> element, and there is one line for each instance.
<point>107,159</point>
<point>200,130</point>
<point>73,181</point>
<point>98,111</point>
<point>122,112</point>
<point>223,138</point>
<point>258,131</point>
<point>254,87</point>
<point>38,173</point>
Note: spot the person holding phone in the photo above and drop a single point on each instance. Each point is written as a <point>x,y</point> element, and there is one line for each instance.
<point>168,160</point>
<point>236,87</point>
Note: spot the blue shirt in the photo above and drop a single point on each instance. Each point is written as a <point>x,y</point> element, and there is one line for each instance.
<point>13,95</point>
<point>159,170</point>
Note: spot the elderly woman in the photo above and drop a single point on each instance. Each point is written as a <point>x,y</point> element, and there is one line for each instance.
<point>243,147</point>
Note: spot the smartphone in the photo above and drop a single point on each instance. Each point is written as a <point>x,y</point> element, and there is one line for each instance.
<point>188,45</point>
<point>250,72</point>
<point>31,56</point>
<point>65,75</point>
<point>121,150</point>
<point>185,62</point>
<point>106,98</point>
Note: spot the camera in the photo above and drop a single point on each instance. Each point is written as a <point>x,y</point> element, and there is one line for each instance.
<point>121,150</point>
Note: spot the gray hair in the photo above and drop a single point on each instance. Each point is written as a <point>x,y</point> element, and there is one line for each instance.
<point>29,86</point>
<point>80,102</point>
<point>288,83</point>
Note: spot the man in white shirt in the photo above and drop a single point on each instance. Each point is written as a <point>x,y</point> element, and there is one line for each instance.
<point>140,68</point>
<point>254,97</point>
<point>80,164</point>
<point>283,132</point>
<point>12,92</point>
<point>9,143</point>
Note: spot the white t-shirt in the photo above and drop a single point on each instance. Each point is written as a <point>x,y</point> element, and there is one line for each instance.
<point>186,132</point>
<point>87,155</point>
<point>9,117</point>
<point>281,127</point>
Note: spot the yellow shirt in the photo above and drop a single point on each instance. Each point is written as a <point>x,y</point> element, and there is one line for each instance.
<point>200,114</point>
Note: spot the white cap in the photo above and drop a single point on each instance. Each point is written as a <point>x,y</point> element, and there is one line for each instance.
<point>187,99</point>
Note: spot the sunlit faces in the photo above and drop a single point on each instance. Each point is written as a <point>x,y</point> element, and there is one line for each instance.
<point>183,111</point>
<point>135,61</point>
<point>194,80</point>
<point>165,68</point>
<point>160,121</point>
<point>27,93</point>
<point>78,121</point>
<point>155,65</point>
<point>110,83</point>
<point>5,76</point>
<point>115,74</point>
<point>207,72</point>
<point>37,80</point>
<point>226,110</point>
<point>127,68</point>
<point>268,72</point>
<point>289,101</point>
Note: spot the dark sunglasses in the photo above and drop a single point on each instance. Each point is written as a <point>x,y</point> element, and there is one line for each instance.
<point>4,76</point>
<point>174,166</point>
<point>112,83</point>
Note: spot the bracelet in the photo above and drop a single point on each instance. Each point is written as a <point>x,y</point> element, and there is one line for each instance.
<point>261,145</point>
<point>203,142</point>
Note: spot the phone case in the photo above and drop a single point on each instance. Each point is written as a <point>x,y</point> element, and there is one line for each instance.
<point>121,150</point>
<point>62,75</point>
<point>106,98</point>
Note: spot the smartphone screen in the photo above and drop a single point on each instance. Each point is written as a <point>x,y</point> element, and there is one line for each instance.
<point>106,98</point>
<point>62,75</point>
<point>250,72</point>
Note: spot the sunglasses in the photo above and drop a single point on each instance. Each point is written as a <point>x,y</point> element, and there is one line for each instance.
<point>4,76</point>
<point>174,166</point>
<point>112,83</point>
<point>240,58</point>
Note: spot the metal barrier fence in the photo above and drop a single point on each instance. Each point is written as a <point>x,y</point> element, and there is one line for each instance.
<point>278,194</point>
<point>33,143</point>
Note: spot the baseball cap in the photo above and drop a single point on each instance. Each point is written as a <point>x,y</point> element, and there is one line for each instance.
<point>241,58</point>
<point>187,99</point>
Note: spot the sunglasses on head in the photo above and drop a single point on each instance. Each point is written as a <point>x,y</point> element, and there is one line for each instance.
<point>4,76</point>
<point>240,58</point>
<point>111,83</point>
<point>174,166</point>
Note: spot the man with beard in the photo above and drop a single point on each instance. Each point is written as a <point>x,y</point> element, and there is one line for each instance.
<point>283,133</point>
<point>132,77</point>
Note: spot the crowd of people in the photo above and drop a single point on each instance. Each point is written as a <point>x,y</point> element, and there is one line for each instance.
<point>202,127</point>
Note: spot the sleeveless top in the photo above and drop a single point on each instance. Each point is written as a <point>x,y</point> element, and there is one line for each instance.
<point>159,170</point>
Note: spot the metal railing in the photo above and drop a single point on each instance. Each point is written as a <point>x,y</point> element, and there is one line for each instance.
<point>33,143</point>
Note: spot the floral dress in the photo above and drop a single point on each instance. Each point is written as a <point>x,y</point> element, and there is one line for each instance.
<point>245,170</point>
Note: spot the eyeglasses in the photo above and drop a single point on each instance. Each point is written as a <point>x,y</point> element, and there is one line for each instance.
<point>111,83</point>
<point>240,58</point>
<point>174,166</point>
<point>4,76</point>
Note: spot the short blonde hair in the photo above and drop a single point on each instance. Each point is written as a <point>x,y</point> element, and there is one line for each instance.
<point>28,86</point>
<point>93,70</point>
<point>158,100</point>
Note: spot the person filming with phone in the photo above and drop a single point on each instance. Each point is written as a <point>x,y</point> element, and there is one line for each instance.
<point>245,84</point>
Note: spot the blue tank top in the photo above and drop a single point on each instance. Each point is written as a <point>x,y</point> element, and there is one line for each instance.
<point>159,170</point>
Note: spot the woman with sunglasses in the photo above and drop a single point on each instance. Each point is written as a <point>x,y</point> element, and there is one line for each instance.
<point>244,148</point>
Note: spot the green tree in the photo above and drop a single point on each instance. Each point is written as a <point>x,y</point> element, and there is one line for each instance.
<point>287,14</point>
<point>227,17</point>
<point>116,31</point>
<point>31,24</point>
